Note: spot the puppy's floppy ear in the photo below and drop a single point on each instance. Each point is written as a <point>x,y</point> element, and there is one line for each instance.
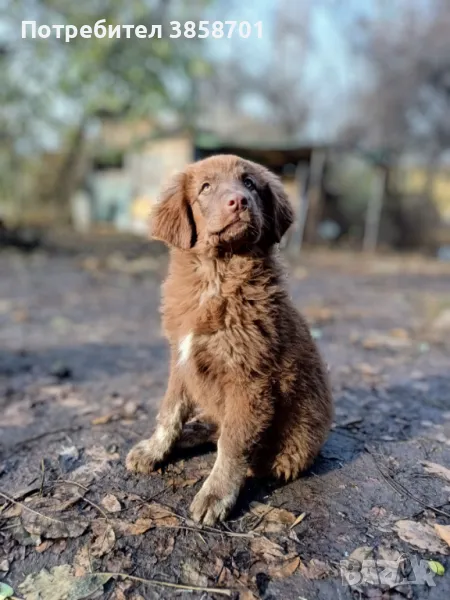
<point>280,214</point>
<point>172,221</point>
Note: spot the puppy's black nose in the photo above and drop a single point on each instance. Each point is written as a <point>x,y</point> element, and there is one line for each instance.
<point>236,203</point>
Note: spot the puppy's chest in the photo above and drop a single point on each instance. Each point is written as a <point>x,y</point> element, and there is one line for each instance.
<point>234,337</point>
<point>188,337</point>
<point>185,307</point>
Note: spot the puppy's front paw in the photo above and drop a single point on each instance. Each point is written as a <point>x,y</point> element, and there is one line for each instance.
<point>143,457</point>
<point>211,505</point>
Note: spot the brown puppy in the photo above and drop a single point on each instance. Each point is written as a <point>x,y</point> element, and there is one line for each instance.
<point>239,349</point>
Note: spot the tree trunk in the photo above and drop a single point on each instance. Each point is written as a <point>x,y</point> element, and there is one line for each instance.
<point>314,195</point>
<point>69,172</point>
<point>374,208</point>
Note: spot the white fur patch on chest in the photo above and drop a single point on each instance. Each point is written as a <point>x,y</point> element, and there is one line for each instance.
<point>185,348</point>
<point>212,290</point>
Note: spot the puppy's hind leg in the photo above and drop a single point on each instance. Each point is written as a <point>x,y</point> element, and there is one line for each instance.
<point>175,410</point>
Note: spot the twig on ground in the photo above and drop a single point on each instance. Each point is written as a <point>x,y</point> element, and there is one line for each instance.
<point>261,518</point>
<point>93,504</point>
<point>91,570</point>
<point>41,489</point>
<point>210,531</point>
<point>6,527</point>
<point>435,508</point>
<point>178,586</point>
<point>25,493</point>
<point>206,528</point>
<point>202,539</point>
<point>402,490</point>
<point>142,502</point>
<point>68,482</point>
<point>96,506</point>
<point>24,506</point>
<point>147,500</point>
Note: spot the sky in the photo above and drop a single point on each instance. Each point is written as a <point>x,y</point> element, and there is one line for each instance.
<point>330,66</point>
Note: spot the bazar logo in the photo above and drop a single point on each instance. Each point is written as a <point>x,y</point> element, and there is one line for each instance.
<point>403,570</point>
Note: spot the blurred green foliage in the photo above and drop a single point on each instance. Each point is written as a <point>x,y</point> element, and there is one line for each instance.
<point>51,91</point>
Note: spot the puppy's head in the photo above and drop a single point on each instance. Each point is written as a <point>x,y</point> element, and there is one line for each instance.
<point>223,202</point>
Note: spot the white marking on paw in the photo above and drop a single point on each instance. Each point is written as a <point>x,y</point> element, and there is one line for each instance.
<point>161,435</point>
<point>184,348</point>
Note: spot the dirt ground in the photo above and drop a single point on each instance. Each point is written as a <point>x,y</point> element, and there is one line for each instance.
<point>83,366</point>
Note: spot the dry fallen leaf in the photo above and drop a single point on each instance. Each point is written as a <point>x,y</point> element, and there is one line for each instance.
<point>139,527</point>
<point>119,590</point>
<point>286,568</point>
<point>58,546</point>
<point>135,266</point>
<point>301,273</point>
<point>378,512</point>
<point>21,535</point>
<point>160,515</point>
<point>298,520</point>
<point>60,583</point>
<point>11,512</point>
<point>435,469</point>
<point>104,419</point>
<point>421,536</point>
<point>50,527</point>
<point>315,569</point>
<point>104,539</point>
<point>98,461</point>
<point>6,591</point>
<point>390,555</point>
<point>118,562</point>
<point>272,520</point>
<point>222,574</point>
<point>165,547</point>
<point>361,554</point>
<point>20,315</point>
<point>44,546</point>
<point>442,321</point>
<point>436,567</point>
<point>191,570</point>
<point>83,562</point>
<point>318,314</point>
<point>4,565</point>
<point>399,332</point>
<point>111,503</point>
<point>247,595</point>
<point>178,482</point>
<point>266,549</point>
<point>367,369</point>
<point>63,498</point>
<point>443,532</point>
<point>279,564</point>
<point>379,340</point>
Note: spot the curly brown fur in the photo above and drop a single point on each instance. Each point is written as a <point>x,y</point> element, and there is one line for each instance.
<point>241,353</point>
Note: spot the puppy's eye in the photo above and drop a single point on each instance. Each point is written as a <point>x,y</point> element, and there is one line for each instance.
<point>249,183</point>
<point>205,187</point>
